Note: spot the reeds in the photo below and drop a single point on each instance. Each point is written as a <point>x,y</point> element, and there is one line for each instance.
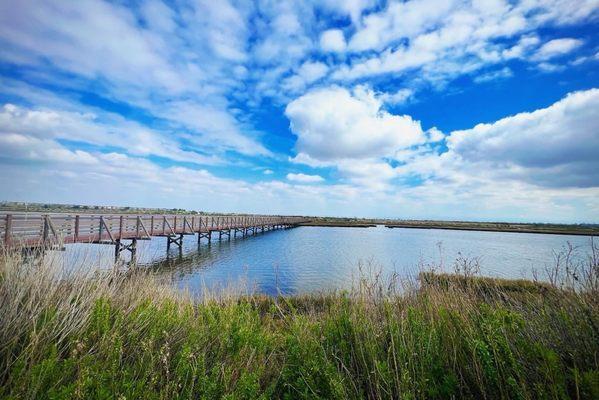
<point>123,335</point>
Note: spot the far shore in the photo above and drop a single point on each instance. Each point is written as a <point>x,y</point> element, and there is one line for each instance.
<point>552,229</point>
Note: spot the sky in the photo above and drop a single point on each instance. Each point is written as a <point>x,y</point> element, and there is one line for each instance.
<point>420,109</point>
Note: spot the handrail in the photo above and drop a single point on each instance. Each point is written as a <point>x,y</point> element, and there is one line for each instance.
<point>37,229</point>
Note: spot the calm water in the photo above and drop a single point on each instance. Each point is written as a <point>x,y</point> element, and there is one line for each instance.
<point>308,259</point>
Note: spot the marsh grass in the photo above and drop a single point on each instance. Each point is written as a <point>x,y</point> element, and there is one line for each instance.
<point>120,334</point>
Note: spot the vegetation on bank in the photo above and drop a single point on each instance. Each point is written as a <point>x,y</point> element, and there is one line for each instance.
<point>126,336</point>
<point>561,229</point>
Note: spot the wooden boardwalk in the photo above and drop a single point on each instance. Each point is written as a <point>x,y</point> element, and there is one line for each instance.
<point>36,230</point>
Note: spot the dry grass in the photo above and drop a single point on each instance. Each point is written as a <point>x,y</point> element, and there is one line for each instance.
<point>87,334</point>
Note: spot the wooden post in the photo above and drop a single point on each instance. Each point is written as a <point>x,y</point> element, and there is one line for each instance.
<point>133,250</point>
<point>152,226</point>
<point>8,230</point>
<point>76,228</point>
<point>45,231</point>
<point>121,227</point>
<point>100,229</point>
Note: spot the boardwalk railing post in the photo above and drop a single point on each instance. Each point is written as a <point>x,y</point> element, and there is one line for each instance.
<point>76,228</point>
<point>45,231</point>
<point>8,230</point>
<point>121,227</point>
<point>100,229</point>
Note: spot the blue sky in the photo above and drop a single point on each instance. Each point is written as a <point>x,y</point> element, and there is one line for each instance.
<point>438,109</point>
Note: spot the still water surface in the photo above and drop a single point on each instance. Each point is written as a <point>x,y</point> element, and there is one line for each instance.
<point>307,259</point>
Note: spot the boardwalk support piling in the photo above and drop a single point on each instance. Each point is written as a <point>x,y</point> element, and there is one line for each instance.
<point>175,240</point>
<point>119,247</point>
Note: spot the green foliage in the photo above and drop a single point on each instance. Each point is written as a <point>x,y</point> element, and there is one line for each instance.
<point>434,344</point>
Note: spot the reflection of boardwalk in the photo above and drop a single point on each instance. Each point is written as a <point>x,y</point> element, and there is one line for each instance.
<point>27,230</point>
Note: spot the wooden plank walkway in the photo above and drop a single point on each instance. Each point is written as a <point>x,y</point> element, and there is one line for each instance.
<point>27,230</point>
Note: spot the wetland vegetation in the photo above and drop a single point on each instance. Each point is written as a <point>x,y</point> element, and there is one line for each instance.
<point>126,335</point>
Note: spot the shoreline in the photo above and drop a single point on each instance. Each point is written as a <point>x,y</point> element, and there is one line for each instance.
<point>514,228</point>
<point>493,229</point>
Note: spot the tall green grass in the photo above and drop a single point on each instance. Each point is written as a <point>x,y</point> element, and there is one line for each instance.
<point>125,336</point>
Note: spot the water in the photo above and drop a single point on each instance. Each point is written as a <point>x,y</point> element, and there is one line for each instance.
<point>307,259</point>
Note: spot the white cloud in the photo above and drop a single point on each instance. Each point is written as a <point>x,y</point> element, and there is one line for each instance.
<point>531,164</point>
<point>399,97</point>
<point>557,47</point>
<point>550,67</point>
<point>172,62</point>
<point>434,135</point>
<point>554,146</point>
<point>312,71</point>
<point>445,39</point>
<point>304,178</point>
<point>333,41</point>
<point>102,130</point>
<point>212,127</point>
<point>522,48</point>
<point>503,73</point>
<point>307,73</point>
<point>18,147</point>
<point>334,123</point>
<point>268,172</point>
<point>398,20</point>
<point>158,15</point>
<point>372,174</point>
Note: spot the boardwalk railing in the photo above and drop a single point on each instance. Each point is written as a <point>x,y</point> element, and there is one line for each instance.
<point>33,229</point>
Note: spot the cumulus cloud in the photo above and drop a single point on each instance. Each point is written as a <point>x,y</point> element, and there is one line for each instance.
<point>304,178</point>
<point>334,123</point>
<point>554,146</point>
